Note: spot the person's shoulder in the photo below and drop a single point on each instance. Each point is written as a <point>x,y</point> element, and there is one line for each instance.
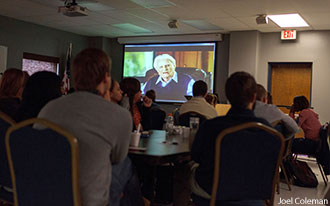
<point>217,120</point>
<point>262,105</point>
<point>267,108</point>
<point>306,111</point>
<point>154,106</point>
<point>58,101</point>
<point>54,107</point>
<point>118,111</point>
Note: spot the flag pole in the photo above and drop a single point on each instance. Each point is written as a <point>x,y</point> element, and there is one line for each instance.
<point>66,78</point>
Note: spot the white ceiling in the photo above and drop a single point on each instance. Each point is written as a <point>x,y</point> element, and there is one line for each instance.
<point>154,15</point>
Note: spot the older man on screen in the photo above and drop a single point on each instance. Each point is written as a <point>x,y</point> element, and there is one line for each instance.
<point>168,84</point>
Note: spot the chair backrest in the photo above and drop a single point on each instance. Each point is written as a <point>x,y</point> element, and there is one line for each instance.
<point>43,164</point>
<point>322,153</point>
<point>278,125</point>
<point>5,123</point>
<point>246,164</point>
<point>184,119</point>
<point>157,119</point>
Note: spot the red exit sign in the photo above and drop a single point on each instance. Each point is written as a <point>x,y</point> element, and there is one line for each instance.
<point>288,34</point>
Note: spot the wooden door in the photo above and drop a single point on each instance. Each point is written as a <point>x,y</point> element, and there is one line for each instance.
<point>289,80</point>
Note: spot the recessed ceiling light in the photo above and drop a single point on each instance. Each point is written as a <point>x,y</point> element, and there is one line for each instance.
<point>288,20</point>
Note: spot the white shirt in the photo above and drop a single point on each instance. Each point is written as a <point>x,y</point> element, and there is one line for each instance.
<point>199,105</point>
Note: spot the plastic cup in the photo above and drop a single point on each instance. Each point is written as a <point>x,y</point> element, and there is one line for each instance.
<point>186,132</point>
<point>135,139</point>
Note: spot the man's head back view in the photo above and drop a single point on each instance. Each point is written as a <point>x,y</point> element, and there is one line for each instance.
<point>261,93</point>
<point>200,89</point>
<point>91,71</point>
<point>89,115</point>
<point>241,89</point>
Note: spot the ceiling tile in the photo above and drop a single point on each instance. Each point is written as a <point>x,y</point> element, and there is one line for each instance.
<point>228,23</point>
<point>121,4</point>
<point>177,13</point>
<point>317,18</point>
<point>311,6</point>
<point>149,14</point>
<point>232,15</point>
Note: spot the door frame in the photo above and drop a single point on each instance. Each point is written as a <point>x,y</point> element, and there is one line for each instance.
<point>269,85</point>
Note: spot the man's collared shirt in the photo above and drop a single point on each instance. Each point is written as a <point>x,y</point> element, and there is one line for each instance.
<point>175,79</point>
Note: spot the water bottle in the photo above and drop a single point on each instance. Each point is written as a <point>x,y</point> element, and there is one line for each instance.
<point>169,124</point>
<point>194,123</point>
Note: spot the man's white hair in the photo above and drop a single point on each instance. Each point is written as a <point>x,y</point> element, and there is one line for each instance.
<point>164,56</point>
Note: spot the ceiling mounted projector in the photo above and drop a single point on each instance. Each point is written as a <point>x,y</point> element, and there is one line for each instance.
<point>262,19</point>
<point>173,24</point>
<point>72,9</point>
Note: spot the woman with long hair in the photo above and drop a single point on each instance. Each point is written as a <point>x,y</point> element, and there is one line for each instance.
<point>40,88</point>
<point>308,120</point>
<point>132,101</point>
<point>11,89</point>
<point>132,96</point>
<point>124,177</point>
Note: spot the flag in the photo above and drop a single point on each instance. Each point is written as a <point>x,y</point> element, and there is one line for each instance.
<point>66,77</point>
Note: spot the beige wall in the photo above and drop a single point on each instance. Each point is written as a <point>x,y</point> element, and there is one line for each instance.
<point>310,46</point>
<point>243,52</point>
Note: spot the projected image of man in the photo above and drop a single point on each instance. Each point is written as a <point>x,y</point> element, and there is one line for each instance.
<point>168,84</point>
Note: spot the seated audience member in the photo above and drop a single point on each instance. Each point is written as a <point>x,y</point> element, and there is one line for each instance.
<point>125,187</point>
<point>269,98</point>
<point>40,88</point>
<point>151,95</point>
<point>124,178</point>
<point>11,89</point>
<point>103,129</point>
<point>271,113</point>
<point>308,120</point>
<point>211,99</point>
<point>198,103</point>
<point>140,111</point>
<point>240,90</point>
<point>115,92</point>
<point>168,83</point>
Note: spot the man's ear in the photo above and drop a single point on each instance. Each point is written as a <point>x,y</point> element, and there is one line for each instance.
<point>107,81</point>
<point>254,97</point>
<point>107,78</point>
